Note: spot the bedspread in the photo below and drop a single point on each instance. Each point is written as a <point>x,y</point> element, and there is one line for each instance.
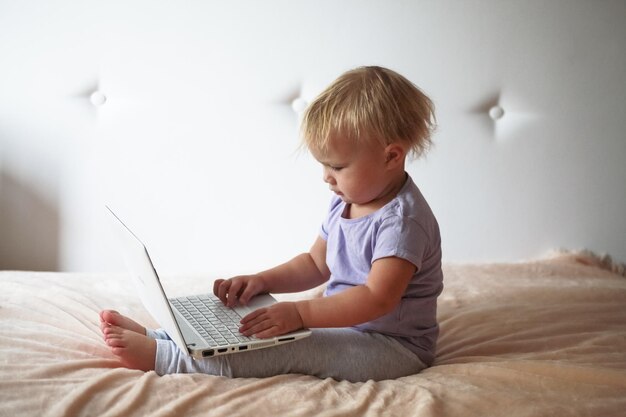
<point>537,338</point>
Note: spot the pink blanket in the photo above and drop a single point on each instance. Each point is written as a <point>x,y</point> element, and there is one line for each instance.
<point>545,338</point>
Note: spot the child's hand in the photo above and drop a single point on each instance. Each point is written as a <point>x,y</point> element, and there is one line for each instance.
<point>238,289</point>
<point>272,321</point>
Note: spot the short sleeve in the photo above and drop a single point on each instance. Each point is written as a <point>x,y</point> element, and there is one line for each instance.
<point>331,217</point>
<point>401,237</point>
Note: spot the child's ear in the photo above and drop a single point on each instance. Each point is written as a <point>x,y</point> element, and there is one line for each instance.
<point>394,155</point>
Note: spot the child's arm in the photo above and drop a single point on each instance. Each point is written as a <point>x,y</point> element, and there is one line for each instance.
<point>386,283</point>
<point>385,286</point>
<point>305,271</point>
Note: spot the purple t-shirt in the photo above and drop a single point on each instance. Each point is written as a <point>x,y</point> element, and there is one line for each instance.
<point>405,228</point>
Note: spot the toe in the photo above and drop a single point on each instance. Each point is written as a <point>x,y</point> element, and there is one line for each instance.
<point>116,342</point>
<point>118,351</point>
<point>112,330</point>
<point>110,316</point>
<point>112,336</point>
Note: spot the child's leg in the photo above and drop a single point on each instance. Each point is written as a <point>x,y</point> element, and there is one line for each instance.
<point>342,354</point>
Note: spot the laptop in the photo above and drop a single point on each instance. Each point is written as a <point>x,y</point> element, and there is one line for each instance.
<point>200,325</point>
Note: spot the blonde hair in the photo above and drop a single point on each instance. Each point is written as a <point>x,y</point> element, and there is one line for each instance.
<point>370,104</point>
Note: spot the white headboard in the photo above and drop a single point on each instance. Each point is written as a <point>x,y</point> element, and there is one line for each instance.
<point>180,115</point>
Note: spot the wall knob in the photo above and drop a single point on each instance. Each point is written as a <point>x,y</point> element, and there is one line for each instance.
<point>97,98</point>
<point>299,105</point>
<point>496,112</point>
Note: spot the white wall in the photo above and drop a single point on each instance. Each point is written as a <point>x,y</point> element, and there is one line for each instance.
<point>196,146</point>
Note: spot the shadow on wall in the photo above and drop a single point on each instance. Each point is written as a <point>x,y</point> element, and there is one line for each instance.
<point>29,228</point>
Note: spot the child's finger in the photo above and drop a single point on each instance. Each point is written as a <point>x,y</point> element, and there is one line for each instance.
<point>216,286</point>
<point>223,290</point>
<point>252,289</point>
<point>250,317</point>
<point>270,332</point>
<point>259,327</point>
<point>255,322</point>
<point>233,291</point>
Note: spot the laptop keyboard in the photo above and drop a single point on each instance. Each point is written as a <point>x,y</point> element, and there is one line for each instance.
<point>218,324</point>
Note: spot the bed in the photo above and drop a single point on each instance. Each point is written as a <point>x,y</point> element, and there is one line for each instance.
<point>540,338</point>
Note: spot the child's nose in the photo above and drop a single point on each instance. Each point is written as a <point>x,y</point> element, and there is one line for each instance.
<point>328,178</point>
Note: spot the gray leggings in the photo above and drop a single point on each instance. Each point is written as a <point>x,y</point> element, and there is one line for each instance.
<point>341,354</point>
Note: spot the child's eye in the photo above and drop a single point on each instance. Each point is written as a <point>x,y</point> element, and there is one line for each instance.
<point>336,168</point>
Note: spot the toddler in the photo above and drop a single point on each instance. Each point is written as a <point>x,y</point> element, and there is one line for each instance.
<point>378,250</point>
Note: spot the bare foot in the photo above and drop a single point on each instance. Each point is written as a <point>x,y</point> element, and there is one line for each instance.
<point>135,351</point>
<point>110,318</point>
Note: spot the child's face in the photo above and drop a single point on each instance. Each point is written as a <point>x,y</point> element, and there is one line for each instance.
<point>359,175</point>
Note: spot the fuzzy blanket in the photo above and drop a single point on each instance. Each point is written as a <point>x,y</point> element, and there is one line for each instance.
<point>544,338</point>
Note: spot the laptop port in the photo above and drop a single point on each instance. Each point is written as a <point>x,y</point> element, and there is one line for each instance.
<point>207,353</point>
<point>286,339</point>
<point>222,350</point>
<point>243,347</point>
